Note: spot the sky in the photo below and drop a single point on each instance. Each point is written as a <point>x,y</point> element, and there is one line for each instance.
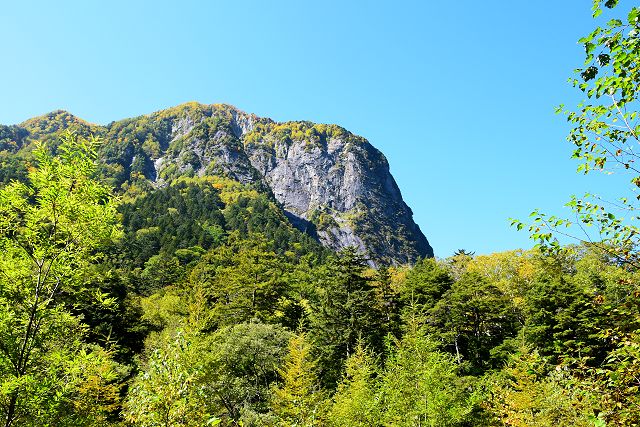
<point>458,95</point>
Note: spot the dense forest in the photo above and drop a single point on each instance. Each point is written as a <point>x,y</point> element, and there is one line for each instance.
<point>198,303</point>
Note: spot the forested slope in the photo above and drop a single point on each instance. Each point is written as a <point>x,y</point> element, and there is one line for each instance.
<point>199,303</point>
<point>151,275</point>
<point>330,183</point>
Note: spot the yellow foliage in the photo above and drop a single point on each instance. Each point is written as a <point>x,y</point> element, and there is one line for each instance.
<point>511,271</point>
<point>298,402</point>
<point>529,397</point>
<point>97,384</point>
<point>398,276</point>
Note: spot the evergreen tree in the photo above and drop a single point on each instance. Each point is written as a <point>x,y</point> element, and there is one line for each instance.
<point>389,301</point>
<point>242,281</point>
<point>346,312</point>
<point>472,318</point>
<point>299,400</point>
<point>354,402</point>
<point>528,393</point>
<point>424,285</point>
<point>561,320</point>
<point>420,385</point>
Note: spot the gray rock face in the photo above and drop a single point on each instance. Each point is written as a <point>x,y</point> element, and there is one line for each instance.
<point>332,184</point>
<point>343,186</point>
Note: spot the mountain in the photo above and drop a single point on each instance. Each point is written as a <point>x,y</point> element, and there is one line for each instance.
<point>330,183</point>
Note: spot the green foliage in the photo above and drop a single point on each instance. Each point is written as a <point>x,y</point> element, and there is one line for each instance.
<point>170,389</point>
<point>193,379</point>
<point>420,385</point>
<point>112,314</point>
<point>617,383</point>
<point>200,295</point>
<point>12,167</point>
<point>160,271</point>
<point>473,318</point>
<point>389,301</point>
<point>242,281</point>
<point>50,229</point>
<point>12,164</point>
<point>561,319</point>
<point>223,284</point>
<point>425,284</point>
<point>313,134</point>
<point>49,128</point>
<point>346,312</point>
<point>242,368</point>
<point>354,402</point>
<point>604,128</point>
<point>529,393</point>
<point>130,146</point>
<point>299,400</point>
<point>11,138</point>
<point>184,215</point>
<point>167,230</point>
<point>257,214</point>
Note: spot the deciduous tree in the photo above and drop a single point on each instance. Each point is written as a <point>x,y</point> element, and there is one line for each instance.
<point>50,231</point>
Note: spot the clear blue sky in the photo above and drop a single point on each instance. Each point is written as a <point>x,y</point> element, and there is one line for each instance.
<point>459,95</point>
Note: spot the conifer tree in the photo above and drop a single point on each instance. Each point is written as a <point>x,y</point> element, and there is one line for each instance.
<point>420,385</point>
<point>299,400</point>
<point>347,311</point>
<point>354,402</point>
<point>473,317</point>
<point>529,393</point>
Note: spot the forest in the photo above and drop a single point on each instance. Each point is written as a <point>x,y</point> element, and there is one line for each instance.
<point>198,303</point>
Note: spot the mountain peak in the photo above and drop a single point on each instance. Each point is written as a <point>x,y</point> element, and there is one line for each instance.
<point>330,183</point>
<point>54,122</point>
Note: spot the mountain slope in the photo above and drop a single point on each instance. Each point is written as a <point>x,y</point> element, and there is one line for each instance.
<point>330,183</point>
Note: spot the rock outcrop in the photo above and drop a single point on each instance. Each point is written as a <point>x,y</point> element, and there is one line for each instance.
<point>331,183</point>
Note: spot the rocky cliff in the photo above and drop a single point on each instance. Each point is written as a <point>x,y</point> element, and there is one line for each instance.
<point>331,183</point>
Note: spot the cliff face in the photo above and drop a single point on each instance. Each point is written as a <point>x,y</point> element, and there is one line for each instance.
<point>339,185</point>
<point>332,184</point>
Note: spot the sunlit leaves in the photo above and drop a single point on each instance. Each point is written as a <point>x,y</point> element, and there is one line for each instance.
<point>50,230</point>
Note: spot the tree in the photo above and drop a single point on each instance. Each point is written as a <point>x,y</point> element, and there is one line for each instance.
<point>420,385</point>
<point>527,393</point>
<point>242,280</point>
<point>50,230</point>
<point>617,383</point>
<point>389,301</point>
<point>424,285</point>
<point>458,262</point>
<point>472,318</point>
<point>354,403</point>
<point>241,365</point>
<point>160,271</point>
<point>347,311</point>
<point>298,401</point>
<point>169,390</point>
<point>605,132</point>
<point>562,321</point>
<point>511,271</point>
<point>191,378</point>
